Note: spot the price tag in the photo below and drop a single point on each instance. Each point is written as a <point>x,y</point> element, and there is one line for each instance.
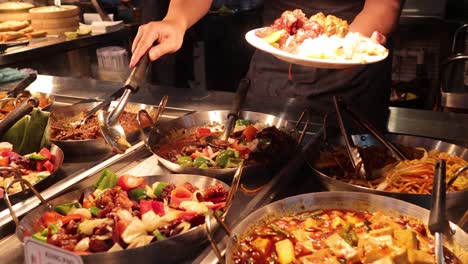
<point>36,252</point>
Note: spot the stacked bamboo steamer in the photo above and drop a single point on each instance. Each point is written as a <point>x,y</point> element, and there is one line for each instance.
<point>55,20</point>
<point>18,11</point>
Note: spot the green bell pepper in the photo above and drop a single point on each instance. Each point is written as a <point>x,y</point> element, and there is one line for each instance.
<point>159,189</point>
<point>243,122</point>
<point>94,211</point>
<point>40,237</point>
<point>53,228</point>
<point>158,235</point>
<point>185,161</point>
<point>65,208</point>
<point>233,162</point>
<point>222,158</point>
<point>107,180</point>
<point>35,156</point>
<point>138,194</point>
<point>199,161</point>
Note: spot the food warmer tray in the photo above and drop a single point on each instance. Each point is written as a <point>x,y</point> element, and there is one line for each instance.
<point>139,161</point>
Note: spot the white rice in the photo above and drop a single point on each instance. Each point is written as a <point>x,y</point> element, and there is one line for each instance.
<point>352,47</point>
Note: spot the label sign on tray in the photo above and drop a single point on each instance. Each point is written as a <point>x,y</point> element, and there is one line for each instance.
<point>36,252</point>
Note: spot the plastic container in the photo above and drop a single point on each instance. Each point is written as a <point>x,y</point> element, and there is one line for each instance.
<point>112,58</point>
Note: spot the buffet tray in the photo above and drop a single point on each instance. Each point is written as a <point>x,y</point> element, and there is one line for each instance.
<point>82,171</point>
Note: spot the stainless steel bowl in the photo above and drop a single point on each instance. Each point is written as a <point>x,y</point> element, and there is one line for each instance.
<point>165,132</point>
<point>343,200</point>
<point>454,199</point>
<point>70,114</point>
<point>57,159</point>
<point>171,250</point>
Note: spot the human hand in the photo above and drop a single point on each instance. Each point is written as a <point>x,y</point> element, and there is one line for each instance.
<point>379,37</point>
<point>168,36</point>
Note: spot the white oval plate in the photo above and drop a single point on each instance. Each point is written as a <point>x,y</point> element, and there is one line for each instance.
<point>260,44</point>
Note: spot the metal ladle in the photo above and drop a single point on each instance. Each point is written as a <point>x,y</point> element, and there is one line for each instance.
<point>109,125</point>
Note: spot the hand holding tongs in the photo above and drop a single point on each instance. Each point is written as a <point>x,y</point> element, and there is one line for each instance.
<point>438,224</point>
<point>109,124</point>
<point>233,115</point>
<point>353,152</point>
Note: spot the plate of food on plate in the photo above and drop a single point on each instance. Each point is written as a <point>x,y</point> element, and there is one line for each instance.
<point>318,41</point>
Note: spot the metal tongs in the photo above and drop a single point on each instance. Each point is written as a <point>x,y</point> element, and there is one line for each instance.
<point>438,223</point>
<point>13,94</point>
<point>353,152</point>
<point>233,115</point>
<point>108,120</point>
<point>17,113</point>
<point>5,46</point>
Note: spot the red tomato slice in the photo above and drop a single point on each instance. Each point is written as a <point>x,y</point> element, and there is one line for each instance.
<point>178,195</point>
<point>128,182</point>
<point>145,206</point>
<point>121,226</point>
<point>49,166</point>
<point>88,204</point>
<point>66,219</point>
<point>203,131</point>
<point>158,207</point>
<point>216,206</point>
<point>4,161</point>
<point>40,165</point>
<point>5,148</point>
<point>241,148</point>
<point>186,216</point>
<point>51,217</point>
<point>249,133</point>
<point>46,153</point>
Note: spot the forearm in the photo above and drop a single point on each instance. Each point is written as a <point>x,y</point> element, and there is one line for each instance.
<point>377,15</point>
<point>187,12</point>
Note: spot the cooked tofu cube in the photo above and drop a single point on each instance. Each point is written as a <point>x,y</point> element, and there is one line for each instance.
<point>285,251</point>
<point>419,257</point>
<point>381,232</point>
<point>310,223</point>
<point>400,255</point>
<point>386,260</point>
<point>341,248</point>
<point>261,244</point>
<point>301,235</point>
<point>374,254</point>
<point>375,248</point>
<point>406,239</point>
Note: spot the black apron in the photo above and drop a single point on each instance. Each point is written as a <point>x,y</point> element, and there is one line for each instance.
<point>366,88</point>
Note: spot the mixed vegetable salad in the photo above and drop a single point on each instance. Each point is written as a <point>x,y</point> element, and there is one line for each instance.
<point>34,167</point>
<point>252,142</point>
<point>125,212</point>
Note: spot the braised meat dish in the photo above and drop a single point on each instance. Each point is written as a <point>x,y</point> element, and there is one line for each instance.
<point>90,128</point>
